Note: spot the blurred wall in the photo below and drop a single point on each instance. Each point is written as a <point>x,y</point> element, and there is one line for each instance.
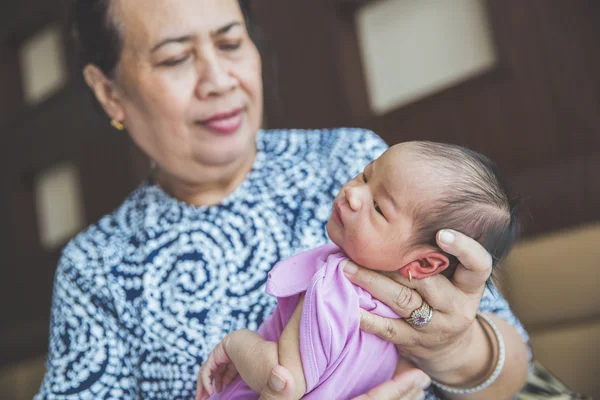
<point>61,165</point>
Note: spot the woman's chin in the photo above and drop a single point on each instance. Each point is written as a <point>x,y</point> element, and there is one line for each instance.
<point>221,158</point>
<point>224,154</point>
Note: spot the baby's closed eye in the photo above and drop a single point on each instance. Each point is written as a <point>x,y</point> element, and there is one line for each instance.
<point>376,206</point>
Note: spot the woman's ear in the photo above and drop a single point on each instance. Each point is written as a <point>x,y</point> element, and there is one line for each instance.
<point>427,263</point>
<point>105,91</point>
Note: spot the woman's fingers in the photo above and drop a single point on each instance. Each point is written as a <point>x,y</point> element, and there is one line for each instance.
<point>475,262</point>
<point>441,294</point>
<point>436,290</point>
<point>399,298</point>
<point>408,385</point>
<point>395,331</point>
<point>280,385</point>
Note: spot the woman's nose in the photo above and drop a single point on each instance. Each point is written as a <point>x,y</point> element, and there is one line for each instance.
<point>214,78</point>
<point>352,194</point>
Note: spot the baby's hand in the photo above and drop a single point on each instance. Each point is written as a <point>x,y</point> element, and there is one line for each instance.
<point>218,367</point>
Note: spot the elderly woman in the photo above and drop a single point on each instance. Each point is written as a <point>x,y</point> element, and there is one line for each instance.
<point>142,296</point>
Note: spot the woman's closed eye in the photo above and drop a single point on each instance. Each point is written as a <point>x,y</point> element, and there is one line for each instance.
<point>230,46</point>
<point>175,61</point>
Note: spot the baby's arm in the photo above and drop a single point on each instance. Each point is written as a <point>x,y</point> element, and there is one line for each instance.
<point>289,350</point>
<point>254,358</point>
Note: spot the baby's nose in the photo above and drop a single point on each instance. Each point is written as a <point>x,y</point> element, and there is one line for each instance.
<point>353,198</point>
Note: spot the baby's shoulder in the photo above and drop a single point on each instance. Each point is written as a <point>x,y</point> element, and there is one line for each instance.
<point>295,274</point>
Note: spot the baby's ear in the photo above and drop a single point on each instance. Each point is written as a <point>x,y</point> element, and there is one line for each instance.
<point>426,263</point>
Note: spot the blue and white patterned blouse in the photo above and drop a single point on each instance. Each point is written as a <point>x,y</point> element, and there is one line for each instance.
<point>142,296</point>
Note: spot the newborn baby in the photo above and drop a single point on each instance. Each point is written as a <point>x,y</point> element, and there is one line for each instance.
<point>385,219</point>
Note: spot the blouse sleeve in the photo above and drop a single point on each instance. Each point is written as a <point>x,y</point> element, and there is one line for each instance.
<point>88,356</point>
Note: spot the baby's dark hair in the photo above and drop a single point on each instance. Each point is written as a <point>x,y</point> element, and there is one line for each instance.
<point>473,198</point>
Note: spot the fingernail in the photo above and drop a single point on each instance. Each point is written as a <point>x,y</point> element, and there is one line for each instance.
<point>350,268</point>
<point>277,382</point>
<point>424,382</point>
<point>446,236</point>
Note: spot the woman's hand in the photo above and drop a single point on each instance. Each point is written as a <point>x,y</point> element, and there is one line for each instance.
<point>405,385</point>
<point>280,385</point>
<point>408,383</point>
<point>442,347</point>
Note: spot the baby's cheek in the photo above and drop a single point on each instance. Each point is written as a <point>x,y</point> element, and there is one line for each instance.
<point>334,233</point>
<point>360,249</point>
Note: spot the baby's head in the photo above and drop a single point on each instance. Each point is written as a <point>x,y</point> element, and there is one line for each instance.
<point>387,217</point>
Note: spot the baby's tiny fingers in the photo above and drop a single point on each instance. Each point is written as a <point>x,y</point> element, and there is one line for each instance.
<point>199,391</point>
<point>207,383</point>
<point>230,374</point>
<point>220,378</point>
<point>201,394</point>
<point>204,395</point>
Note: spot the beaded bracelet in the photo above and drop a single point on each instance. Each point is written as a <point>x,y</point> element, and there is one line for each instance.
<point>493,376</point>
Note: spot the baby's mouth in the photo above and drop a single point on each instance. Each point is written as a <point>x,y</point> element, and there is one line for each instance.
<point>336,214</point>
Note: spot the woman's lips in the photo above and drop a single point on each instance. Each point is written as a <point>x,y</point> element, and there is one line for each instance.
<point>225,123</point>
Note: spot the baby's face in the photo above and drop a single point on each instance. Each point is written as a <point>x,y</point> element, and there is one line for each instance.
<point>371,219</point>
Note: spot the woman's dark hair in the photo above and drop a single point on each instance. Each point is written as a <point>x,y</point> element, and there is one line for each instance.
<point>98,37</point>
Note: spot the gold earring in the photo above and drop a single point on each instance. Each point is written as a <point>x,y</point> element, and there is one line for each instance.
<point>409,276</point>
<point>117,125</point>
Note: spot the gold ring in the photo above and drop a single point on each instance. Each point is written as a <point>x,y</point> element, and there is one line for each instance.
<point>421,316</point>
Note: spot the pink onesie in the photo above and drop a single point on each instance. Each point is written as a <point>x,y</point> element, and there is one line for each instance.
<point>340,361</point>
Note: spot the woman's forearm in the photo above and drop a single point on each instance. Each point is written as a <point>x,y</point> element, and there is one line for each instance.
<point>479,359</point>
<point>253,357</point>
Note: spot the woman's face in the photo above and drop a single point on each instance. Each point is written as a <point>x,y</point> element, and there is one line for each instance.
<point>189,81</point>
